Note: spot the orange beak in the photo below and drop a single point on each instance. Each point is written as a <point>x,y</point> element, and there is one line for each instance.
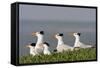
<point>70,33</point>
<point>53,36</point>
<point>27,45</point>
<point>33,34</point>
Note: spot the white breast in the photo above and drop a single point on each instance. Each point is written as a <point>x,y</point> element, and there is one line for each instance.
<point>47,52</point>
<point>32,51</point>
<point>46,49</point>
<point>39,49</point>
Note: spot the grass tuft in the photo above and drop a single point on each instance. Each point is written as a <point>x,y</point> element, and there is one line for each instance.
<point>82,54</point>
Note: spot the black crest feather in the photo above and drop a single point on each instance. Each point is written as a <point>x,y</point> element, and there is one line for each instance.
<point>79,34</point>
<point>61,34</point>
<point>46,43</point>
<point>33,44</point>
<point>42,32</point>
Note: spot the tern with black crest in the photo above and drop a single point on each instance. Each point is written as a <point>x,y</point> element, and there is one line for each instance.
<point>61,46</point>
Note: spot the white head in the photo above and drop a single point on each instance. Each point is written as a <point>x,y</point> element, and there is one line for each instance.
<point>76,34</point>
<point>38,34</point>
<point>46,45</point>
<point>58,35</point>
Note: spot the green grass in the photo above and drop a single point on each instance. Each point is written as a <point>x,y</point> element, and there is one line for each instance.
<point>82,54</point>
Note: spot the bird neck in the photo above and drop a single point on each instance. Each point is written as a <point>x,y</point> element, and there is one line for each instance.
<point>31,50</point>
<point>60,41</point>
<point>77,40</point>
<point>39,40</point>
<point>46,48</point>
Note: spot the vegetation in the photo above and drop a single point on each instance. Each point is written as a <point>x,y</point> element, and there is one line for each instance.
<point>76,55</point>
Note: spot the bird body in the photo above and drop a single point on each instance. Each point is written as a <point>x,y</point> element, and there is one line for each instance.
<point>41,46</point>
<point>64,47</point>
<point>84,45</point>
<point>78,43</point>
<point>32,51</point>
<point>46,49</point>
<point>32,48</point>
<point>61,46</point>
